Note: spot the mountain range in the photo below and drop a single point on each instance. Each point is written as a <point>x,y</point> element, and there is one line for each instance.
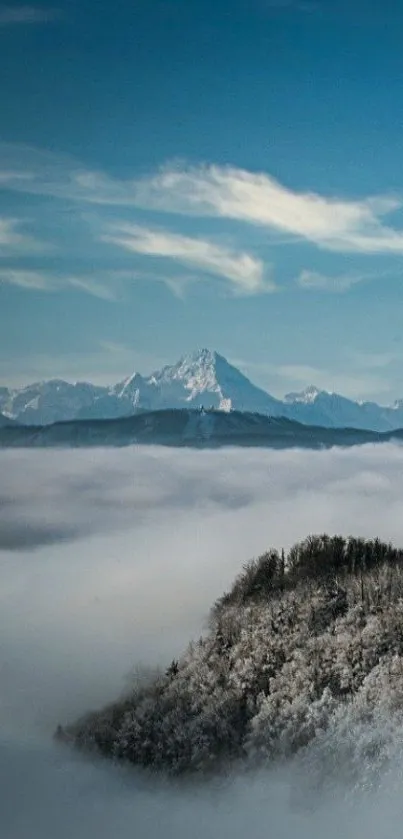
<point>202,379</point>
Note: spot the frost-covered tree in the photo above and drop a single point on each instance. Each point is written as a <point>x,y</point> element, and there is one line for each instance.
<point>303,645</point>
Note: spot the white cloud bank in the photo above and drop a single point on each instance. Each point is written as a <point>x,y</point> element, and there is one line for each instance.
<point>119,535</point>
<point>114,557</point>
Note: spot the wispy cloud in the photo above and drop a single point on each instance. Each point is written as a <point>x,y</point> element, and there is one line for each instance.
<point>257,198</point>
<point>315,281</point>
<point>331,223</point>
<point>33,280</point>
<point>8,233</point>
<point>360,385</point>
<point>13,241</point>
<point>10,15</point>
<point>373,360</point>
<point>106,285</point>
<point>96,288</point>
<point>48,281</point>
<point>244,272</point>
<point>350,378</point>
<point>106,363</point>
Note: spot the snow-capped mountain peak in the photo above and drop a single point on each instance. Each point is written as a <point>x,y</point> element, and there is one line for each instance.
<point>199,375</point>
<point>203,378</point>
<point>197,370</point>
<point>305,397</point>
<point>129,386</point>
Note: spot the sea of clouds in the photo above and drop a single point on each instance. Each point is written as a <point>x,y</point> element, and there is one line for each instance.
<point>111,559</point>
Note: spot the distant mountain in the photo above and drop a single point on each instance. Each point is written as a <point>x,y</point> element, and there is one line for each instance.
<point>189,428</point>
<point>49,401</point>
<point>304,397</point>
<point>318,407</point>
<point>203,378</point>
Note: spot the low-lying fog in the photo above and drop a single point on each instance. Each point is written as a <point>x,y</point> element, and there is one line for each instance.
<point>111,559</point>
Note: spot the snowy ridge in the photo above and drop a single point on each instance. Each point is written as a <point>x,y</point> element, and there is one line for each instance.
<point>305,397</point>
<point>203,379</point>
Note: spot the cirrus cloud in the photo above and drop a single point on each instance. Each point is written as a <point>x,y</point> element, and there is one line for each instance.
<point>257,198</point>
<point>48,281</point>
<point>316,281</point>
<point>244,272</point>
<point>13,241</point>
<point>348,225</point>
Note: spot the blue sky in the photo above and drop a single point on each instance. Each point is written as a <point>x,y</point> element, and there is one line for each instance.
<point>186,173</point>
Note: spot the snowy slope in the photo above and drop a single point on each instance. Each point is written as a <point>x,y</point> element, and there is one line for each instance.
<point>48,401</point>
<point>206,378</point>
<point>201,379</point>
<point>319,407</point>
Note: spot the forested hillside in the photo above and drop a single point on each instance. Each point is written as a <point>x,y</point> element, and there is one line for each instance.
<point>303,645</point>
